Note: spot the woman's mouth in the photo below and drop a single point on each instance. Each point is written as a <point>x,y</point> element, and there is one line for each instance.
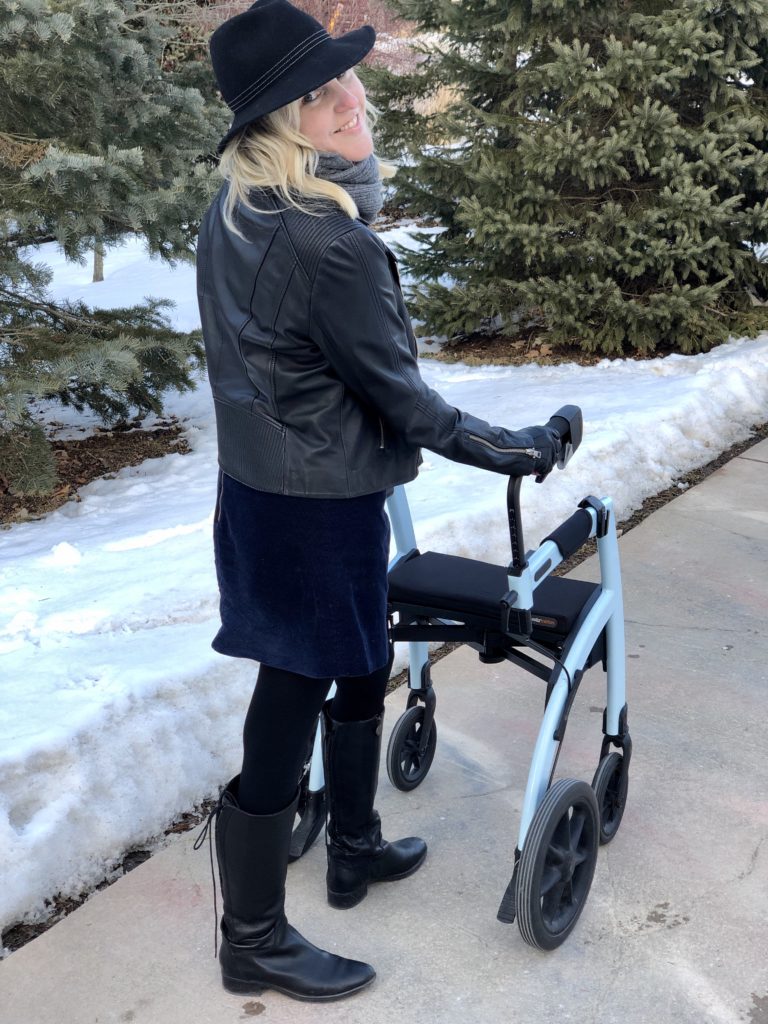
<point>353,125</point>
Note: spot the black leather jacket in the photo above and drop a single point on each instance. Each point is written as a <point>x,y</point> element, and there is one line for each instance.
<point>312,361</point>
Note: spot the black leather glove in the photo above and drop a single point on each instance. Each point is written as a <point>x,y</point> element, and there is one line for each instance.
<point>546,441</point>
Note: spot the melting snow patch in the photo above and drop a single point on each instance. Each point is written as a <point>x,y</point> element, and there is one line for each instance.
<point>154,537</point>
<point>62,556</point>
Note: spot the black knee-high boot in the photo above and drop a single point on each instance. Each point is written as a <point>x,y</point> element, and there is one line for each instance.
<point>357,854</point>
<point>259,949</point>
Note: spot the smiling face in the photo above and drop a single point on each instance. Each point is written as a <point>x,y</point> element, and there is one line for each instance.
<point>332,107</point>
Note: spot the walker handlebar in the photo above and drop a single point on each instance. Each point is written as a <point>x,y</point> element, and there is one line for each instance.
<point>568,423</point>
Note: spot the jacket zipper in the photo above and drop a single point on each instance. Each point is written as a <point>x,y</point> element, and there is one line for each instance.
<point>534,453</point>
<point>219,493</point>
<point>381,434</point>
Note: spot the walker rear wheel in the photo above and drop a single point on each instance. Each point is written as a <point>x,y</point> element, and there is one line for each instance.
<point>611,783</point>
<point>557,863</point>
<point>406,767</point>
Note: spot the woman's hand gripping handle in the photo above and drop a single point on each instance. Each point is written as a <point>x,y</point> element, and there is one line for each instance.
<point>557,439</point>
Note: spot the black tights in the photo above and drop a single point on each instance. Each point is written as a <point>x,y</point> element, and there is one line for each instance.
<point>278,726</point>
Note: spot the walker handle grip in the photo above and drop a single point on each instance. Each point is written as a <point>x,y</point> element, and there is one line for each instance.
<point>568,423</point>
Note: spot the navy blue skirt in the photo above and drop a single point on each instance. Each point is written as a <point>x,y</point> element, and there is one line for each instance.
<point>303,581</point>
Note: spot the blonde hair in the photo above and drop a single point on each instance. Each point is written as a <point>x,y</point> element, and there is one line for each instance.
<point>273,153</point>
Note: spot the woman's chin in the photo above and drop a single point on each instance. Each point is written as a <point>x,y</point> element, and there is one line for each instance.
<point>354,147</point>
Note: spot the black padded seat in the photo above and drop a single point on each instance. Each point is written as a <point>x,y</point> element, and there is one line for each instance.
<point>449,583</point>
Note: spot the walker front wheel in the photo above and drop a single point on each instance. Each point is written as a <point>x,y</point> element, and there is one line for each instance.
<point>611,783</point>
<point>407,767</point>
<point>557,863</point>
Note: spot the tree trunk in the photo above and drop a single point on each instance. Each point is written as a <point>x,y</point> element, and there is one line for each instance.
<point>98,262</point>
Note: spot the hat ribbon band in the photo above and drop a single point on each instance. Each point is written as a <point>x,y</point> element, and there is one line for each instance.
<point>285,62</point>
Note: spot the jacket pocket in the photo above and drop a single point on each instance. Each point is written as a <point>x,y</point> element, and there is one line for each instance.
<point>251,447</point>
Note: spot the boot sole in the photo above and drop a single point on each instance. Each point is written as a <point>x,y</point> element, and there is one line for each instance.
<point>347,900</point>
<point>249,988</point>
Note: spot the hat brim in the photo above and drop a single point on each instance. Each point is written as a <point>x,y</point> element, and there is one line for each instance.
<point>325,62</point>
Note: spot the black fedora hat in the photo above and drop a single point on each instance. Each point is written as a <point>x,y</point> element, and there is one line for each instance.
<point>274,53</point>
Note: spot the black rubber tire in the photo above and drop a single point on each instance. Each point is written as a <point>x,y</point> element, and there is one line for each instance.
<point>406,769</point>
<point>611,784</point>
<point>557,864</point>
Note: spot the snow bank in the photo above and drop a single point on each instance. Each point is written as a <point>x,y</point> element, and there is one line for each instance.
<point>116,716</point>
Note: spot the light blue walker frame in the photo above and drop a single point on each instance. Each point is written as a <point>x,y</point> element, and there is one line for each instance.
<point>607,612</point>
<point>604,613</point>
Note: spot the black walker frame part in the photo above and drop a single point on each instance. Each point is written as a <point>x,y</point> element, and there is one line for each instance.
<point>426,695</point>
<point>311,810</point>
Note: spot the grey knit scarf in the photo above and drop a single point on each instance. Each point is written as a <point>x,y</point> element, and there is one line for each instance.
<point>359,177</point>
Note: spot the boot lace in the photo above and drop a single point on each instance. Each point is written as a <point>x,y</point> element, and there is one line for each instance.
<point>207,830</point>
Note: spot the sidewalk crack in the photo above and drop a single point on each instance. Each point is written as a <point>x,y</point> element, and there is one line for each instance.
<point>676,626</point>
<point>752,862</point>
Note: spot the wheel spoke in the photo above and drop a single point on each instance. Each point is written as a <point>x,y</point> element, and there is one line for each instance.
<point>561,837</point>
<point>411,751</point>
<point>615,797</point>
<point>549,879</point>
<point>577,828</point>
<point>556,854</point>
<point>552,901</point>
<point>567,899</point>
<point>411,746</point>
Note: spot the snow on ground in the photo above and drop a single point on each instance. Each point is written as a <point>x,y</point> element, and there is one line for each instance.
<point>115,714</point>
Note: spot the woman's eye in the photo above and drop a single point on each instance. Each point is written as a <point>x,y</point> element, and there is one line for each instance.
<point>312,96</point>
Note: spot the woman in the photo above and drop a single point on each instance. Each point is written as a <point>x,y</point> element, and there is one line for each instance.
<point>320,410</point>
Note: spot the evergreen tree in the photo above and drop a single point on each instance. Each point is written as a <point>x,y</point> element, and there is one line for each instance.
<point>124,142</point>
<point>96,140</point>
<point>112,361</point>
<point>605,174</point>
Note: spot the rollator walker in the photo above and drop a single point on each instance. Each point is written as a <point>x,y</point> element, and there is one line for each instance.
<point>510,613</point>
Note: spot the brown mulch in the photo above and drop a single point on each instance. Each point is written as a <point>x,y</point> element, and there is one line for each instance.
<point>499,350</point>
<point>99,455</point>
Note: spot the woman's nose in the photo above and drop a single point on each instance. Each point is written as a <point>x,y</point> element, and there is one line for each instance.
<point>347,99</point>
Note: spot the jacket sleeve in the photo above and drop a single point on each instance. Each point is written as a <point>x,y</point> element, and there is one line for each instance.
<point>354,319</point>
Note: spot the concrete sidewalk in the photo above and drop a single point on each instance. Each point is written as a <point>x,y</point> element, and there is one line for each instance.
<point>675,928</point>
